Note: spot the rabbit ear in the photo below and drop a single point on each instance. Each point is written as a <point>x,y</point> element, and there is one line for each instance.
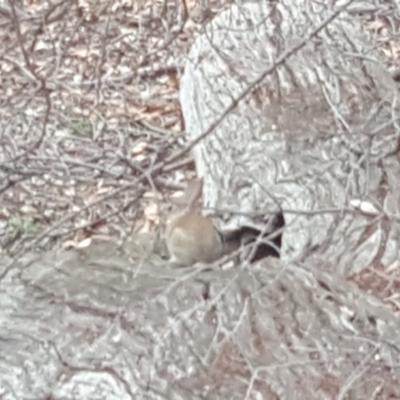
<point>191,198</point>
<point>194,191</point>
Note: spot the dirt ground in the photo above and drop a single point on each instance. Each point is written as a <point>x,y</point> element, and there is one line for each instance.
<point>90,118</point>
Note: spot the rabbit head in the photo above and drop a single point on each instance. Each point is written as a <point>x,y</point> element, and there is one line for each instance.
<point>190,236</point>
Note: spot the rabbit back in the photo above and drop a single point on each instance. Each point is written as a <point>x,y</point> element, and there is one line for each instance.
<point>193,238</point>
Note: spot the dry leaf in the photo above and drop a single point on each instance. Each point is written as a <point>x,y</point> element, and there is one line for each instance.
<point>376,25</point>
<point>71,244</point>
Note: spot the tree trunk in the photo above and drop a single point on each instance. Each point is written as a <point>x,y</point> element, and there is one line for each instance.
<point>87,324</point>
<point>315,135</point>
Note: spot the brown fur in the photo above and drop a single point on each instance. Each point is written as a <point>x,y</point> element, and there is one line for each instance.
<point>193,238</point>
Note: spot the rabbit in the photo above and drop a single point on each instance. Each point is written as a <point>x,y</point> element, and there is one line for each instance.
<point>190,236</point>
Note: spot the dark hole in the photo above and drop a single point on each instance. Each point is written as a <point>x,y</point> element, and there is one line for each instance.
<point>267,244</point>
